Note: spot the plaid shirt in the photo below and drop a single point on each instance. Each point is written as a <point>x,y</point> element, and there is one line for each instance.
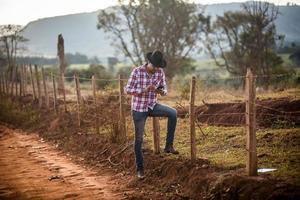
<point>138,81</point>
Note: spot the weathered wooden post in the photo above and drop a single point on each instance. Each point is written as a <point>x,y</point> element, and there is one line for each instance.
<point>156,136</point>
<point>61,61</point>
<point>19,79</point>
<point>6,88</point>
<point>45,88</point>
<point>22,80</point>
<point>95,104</point>
<point>1,85</point>
<point>54,94</point>
<point>64,91</point>
<point>16,81</point>
<point>4,83</point>
<point>38,83</point>
<point>122,124</point>
<point>12,80</point>
<point>32,82</point>
<point>192,119</point>
<point>25,79</point>
<point>76,79</point>
<point>251,166</point>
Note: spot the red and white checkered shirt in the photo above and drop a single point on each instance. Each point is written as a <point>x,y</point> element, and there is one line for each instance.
<point>138,81</point>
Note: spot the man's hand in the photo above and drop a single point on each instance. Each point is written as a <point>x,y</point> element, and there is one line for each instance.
<point>160,91</point>
<point>149,88</point>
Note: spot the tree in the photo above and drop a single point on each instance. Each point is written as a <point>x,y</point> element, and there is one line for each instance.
<point>171,26</point>
<point>246,39</point>
<point>10,38</point>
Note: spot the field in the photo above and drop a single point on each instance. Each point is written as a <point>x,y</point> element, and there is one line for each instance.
<point>221,148</point>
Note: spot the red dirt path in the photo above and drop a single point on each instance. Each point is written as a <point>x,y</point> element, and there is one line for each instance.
<point>32,169</point>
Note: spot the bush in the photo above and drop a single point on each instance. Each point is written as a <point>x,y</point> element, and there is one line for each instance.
<point>98,70</point>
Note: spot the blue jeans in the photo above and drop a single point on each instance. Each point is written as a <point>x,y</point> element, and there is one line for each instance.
<point>139,120</point>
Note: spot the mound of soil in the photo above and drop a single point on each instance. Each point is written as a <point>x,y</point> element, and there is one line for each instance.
<point>282,112</point>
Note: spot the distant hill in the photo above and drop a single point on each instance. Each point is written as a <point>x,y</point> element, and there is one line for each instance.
<point>81,35</point>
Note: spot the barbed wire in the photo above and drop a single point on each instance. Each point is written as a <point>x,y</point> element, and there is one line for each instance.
<point>201,79</point>
<point>273,75</point>
<point>273,109</point>
<point>221,124</point>
<point>220,114</point>
<point>278,115</point>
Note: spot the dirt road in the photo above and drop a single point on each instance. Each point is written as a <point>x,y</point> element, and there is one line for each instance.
<point>32,169</point>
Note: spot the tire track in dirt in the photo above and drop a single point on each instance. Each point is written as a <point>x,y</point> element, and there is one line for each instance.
<point>33,169</point>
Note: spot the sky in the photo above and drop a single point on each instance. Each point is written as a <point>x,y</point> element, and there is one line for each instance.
<point>23,11</point>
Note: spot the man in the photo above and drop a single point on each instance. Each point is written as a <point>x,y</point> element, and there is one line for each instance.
<point>145,82</point>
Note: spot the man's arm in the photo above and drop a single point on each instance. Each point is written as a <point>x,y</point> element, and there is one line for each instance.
<point>163,91</point>
<point>131,87</point>
<point>164,83</point>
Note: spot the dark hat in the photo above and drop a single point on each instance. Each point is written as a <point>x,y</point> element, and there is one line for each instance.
<point>156,59</point>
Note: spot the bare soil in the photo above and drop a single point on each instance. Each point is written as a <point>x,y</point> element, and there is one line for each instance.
<point>282,112</point>
<point>54,159</point>
<point>32,169</point>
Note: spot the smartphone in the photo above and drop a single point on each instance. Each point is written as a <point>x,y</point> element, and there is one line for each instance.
<point>160,87</point>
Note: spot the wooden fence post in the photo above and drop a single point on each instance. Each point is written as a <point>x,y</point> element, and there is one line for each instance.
<point>45,88</point>
<point>76,79</point>
<point>1,85</point>
<point>25,79</point>
<point>16,81</point>
<point>251,166</point>
<point>21,79</point>
<point>5,83</point>
<point>54,94</point>
<point>32,82</point>
<point>12,80</point>
<point>192,119</point>
<point>63,90</point>
<point>156,136</point>
<point>38,86</point>
<point>95,104</point>
<point>122,125</point>
<point>61,62</point>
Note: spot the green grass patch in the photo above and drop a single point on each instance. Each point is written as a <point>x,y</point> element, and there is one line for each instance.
<point>12,112</point>
<point>226,146</point>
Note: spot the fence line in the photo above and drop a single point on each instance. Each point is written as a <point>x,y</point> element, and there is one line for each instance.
<point>20,77</point>
<point>276,110</point>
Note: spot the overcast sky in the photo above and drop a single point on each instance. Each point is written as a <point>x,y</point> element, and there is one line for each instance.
<point>23,11</point>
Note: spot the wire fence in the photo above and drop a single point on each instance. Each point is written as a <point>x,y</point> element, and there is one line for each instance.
<point>96,107</point>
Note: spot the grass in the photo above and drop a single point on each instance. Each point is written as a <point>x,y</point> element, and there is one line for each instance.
<point>226,146</point>
<point>17,114</point>
<point>292,93</point>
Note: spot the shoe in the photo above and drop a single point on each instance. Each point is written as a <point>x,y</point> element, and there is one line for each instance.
<point>171,150</point>
<point>140,174</point>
